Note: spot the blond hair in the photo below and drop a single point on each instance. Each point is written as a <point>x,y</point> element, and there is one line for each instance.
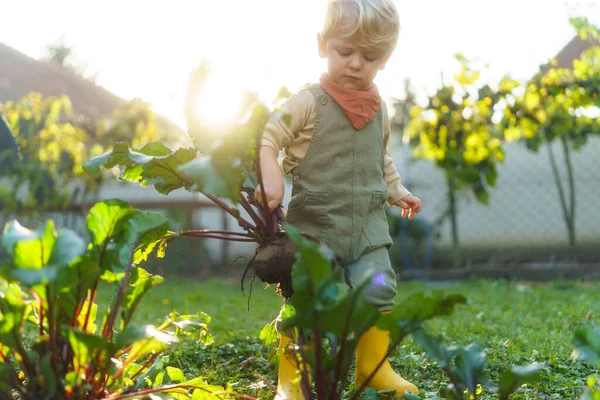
<point>376,21</point>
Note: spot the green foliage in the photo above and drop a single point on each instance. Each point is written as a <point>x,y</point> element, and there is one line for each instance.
<point>54,144</point>
<point>587,345</point>
<point>558,105</point>
<point>218,169</point>
<point>515,323</point>
<point>154,164</point>
<point>51,280</point>
<point>334,320</point>
<point>134,123</point>
<point>7,140</point>
<point>52,153</point>
<point>587,348</point>
<point>456,132</point>
<point>585,30</point>
<point>221,165</point>
<point>467,369</point>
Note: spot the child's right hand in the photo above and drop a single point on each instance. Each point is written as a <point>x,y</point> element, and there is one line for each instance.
<point>273,192</point>
<point>272,177</point>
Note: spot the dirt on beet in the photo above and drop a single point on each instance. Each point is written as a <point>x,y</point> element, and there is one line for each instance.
<point>273,263</point>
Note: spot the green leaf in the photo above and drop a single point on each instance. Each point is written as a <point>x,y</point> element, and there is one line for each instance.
<point>371,394</point>
<point>30,249</point>
<point>469,368</point>
<point>314,258</point>
<point>88,348</point>
<point>587,345</point>
<point>71,286</point>
<point>140,281</point>
<point>68,247</point>
<point>8,381</point>
<point>269,334</point>
<point>175,375</point>
<point>33,277</point>
<point>481,194</point>
<point>411,396</point>
<point>106,219</point>
<point>49,380</point>
<point>584,29</point>
<point>143,340</point>
<point>517,376</point>
<point>111,277</point>
<point>434,348</point>
<point>143,231</point>
<point>193,327</point>
<point>91,326</point>
<point>491,176</point>
<point>151,374</point>
<point>162,245</point>
<point>406,317</point>
<point>422,306</point>
<point>133,334</point>
<point>117,156</point>
<point>210,180</point>
<point>154,164</point>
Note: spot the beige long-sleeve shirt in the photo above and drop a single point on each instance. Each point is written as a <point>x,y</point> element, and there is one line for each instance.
<point>294,139</point>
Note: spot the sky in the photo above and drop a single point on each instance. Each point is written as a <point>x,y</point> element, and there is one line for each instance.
<point>147,48</point>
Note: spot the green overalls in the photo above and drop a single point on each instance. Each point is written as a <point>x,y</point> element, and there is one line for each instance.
<point>339,195</point>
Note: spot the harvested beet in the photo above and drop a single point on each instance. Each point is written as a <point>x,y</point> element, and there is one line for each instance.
<point>273,263</point>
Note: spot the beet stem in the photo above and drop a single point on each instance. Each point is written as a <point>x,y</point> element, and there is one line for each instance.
<point>241,221</point>
<point>202,232</point>
<point>255,217</point>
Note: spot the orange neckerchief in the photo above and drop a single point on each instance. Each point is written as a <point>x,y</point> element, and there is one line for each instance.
<point>359,105</point>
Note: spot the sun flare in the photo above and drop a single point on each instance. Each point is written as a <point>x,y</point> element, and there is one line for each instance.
<point>218,101</point>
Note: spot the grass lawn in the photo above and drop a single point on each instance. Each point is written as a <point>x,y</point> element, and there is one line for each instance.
<point>516,323</point>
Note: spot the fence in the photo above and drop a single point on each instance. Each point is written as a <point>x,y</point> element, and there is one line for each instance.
<point>523,223</point>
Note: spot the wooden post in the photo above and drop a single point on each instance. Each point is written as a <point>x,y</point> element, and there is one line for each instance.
<point>191,245</point>
<point>225,243</point>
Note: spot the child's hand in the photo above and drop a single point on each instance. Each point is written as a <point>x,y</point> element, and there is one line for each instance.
<point>272,179</point>
<point>410,205</point>
<point>274,191</point>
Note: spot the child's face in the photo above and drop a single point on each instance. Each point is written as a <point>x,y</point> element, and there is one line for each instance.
<point>351,62</point>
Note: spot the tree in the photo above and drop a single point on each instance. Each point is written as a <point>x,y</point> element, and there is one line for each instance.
<point>455,131</point>
<point>53,146</point>
<point>52,153</point>
<point>59,53</point>
<point>558,106</point>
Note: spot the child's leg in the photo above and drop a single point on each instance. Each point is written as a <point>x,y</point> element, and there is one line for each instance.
<point>373,344</point>
<point>382,288</point>
<point>289,372</point>
<point>288,379</point>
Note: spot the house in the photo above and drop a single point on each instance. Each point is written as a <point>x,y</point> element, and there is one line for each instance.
<point>20,75</point>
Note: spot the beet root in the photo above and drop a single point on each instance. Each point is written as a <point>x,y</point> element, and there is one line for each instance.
<point>273,263</point>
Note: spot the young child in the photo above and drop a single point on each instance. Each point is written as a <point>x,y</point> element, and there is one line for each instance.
<point>336,150</point>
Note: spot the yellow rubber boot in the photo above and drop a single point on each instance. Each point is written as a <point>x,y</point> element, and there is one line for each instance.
<point>370,350</point>
<point>288,380</point>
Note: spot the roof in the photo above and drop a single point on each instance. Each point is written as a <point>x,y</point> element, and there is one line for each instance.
<point>21,74</point>
<point>572,51</point>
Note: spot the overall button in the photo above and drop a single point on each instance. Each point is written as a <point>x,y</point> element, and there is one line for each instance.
<point>296,178</point>
<point>323,100</point>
